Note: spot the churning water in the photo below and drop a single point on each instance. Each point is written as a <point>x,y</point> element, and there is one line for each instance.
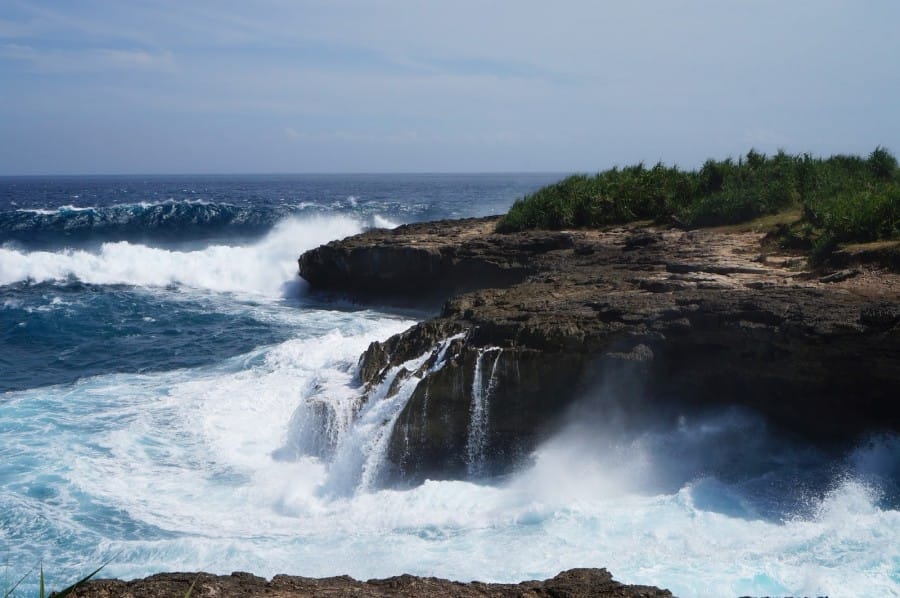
<point>172,399</point>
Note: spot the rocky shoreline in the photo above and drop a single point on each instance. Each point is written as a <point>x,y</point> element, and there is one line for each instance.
<point>607,325</point>
<point>636,318</point>
<point>575,583</point>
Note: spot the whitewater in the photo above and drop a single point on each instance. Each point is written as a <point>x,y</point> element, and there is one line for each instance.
<point>173,397</point>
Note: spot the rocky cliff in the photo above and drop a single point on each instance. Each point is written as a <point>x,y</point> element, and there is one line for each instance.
<point>636,319</point>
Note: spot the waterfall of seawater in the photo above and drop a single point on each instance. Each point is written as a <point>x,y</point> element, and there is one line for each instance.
<point>351,431</point>
<point>478,424</point>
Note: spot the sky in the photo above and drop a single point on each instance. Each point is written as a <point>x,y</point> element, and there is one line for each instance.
<point>220,86</point>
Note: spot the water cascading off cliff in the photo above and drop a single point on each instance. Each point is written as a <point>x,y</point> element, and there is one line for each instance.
<point>352,431</point>
<point>478,426</point>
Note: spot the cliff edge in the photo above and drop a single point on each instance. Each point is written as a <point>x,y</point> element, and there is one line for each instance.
<point>636,318</point>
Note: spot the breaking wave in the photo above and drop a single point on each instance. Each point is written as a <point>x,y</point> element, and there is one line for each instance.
<point>263,267</point>
<point>161,221</point>
<point>233,466</point>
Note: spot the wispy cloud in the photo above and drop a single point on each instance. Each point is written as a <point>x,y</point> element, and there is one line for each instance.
<point>399,83</point>
<point>90,60</point>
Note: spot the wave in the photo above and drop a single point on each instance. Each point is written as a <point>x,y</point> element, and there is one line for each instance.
<point>261,268</point>
<point>187,469</point>
<point>186,474</point>
<point>168,220</point>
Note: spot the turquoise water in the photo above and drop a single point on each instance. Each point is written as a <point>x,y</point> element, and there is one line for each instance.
<point>162,377</point>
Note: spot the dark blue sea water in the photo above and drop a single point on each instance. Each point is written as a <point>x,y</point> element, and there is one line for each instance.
<point>163,372</point>
<point>107,274</point>
<point>59,211</point>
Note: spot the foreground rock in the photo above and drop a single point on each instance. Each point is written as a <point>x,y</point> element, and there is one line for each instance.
<point>633,320</point>
<point>568,584</point>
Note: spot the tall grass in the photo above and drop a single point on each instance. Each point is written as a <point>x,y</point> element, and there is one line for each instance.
<point>842,198</point>
<point>10,591</point>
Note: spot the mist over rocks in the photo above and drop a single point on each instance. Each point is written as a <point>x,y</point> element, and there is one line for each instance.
<point>640,319</point>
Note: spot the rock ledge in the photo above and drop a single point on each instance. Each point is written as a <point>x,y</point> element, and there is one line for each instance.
<point>575,583</point>
<point>658,320</point>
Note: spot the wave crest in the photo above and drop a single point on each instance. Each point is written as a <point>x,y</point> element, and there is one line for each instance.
<point>169,220</point>
<point>259,268</point>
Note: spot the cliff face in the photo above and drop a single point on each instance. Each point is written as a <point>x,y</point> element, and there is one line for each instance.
<point>425,261</point>
<point>641,320</point>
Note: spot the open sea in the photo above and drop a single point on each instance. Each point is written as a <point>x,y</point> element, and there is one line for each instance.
<point>160,361</point>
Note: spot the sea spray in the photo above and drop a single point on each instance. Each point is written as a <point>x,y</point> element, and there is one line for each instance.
<point>362,450</point>
<point>318,425</point>
<point>260,268</point>
<point>476,440</point>
<point>169,462</point>
<point>185,479</point>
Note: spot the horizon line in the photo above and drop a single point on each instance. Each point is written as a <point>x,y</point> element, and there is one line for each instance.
<point>285,173</point>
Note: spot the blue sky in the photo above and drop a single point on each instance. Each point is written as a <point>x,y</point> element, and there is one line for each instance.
<point>411,86</point>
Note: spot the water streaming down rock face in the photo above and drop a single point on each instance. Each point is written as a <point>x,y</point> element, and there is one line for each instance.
<point>171,468</point>
<point>352,431</point>
<point>480,412</point>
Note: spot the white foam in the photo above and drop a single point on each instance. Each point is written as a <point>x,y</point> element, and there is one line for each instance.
<point>261,268</point>
<point>116,206</point>
<point>63,209</point>
<point>361,452</point>
<point>40,211</point>
<point>174,459</point>
<point>196,458</point>
<point>379,221</point>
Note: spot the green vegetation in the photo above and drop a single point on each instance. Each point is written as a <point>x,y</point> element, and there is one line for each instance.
<point>68,591</point>
<point>841,199</point>
<point>10,591</point>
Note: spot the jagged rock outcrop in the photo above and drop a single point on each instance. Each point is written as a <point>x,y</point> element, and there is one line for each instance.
<point>646,320</point>
<point>574,583</point>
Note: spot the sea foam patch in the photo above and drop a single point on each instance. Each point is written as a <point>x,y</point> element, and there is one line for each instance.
<point>182,470</point>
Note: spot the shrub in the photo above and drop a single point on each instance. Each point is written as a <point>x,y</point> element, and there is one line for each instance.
<point>883,164</point>
<point>848,197</point>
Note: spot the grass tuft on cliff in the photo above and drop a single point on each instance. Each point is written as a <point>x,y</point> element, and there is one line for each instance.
<point>9,590</point>
<point>842,199</point>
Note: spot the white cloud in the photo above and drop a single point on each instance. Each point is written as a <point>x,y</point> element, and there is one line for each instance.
<point>17,52</point>
<point>578,85</point>
<point>131,59</point>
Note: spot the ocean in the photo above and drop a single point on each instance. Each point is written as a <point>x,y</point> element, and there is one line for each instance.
<point>161,364</point>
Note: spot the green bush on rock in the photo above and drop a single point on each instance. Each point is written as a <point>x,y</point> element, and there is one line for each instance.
<point>842,198</point>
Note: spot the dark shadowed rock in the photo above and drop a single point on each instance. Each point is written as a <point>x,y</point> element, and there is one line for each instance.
<point>840,275</point>
<point>426,261</point>
<point>575,583</point>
